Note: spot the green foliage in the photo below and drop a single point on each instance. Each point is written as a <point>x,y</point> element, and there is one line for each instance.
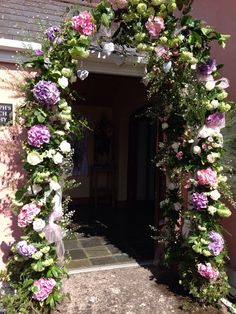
<point>181,100</point>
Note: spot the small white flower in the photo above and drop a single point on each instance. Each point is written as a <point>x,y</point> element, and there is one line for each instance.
<point>65,147</point>
<point>210,158</point>
<point>37,255</point>
<point>60,132</point>
<point>214,195</point>
<point>197,150</point>
<point>164,125</point>
<point>222,178</point>
<point>177,206</point>
<point>210,85</point>
<point>67,126</point>
<point>212,210</point>
<point>108,48</point>
<point>57,158</point>
<point>171,186</point>
<point>175,146</point>
<point>63,82</point>
<point>34,158</point>
<point>215,103</point>
<point>38,224</point>
<point>50,153</point>
<point>73,79</point>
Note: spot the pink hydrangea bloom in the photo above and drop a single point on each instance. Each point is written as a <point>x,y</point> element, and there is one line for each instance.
<point>84,24</point>
<point>118,4</point>
<point>160,50</point>
<point>27,214</point>
<point>45,287</point>
<point>207,177</point>
<point>207,271</point>
<point>179,155</point>
<point>154,26</point>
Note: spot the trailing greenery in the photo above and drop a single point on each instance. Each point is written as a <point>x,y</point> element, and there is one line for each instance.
<point>188,96</point>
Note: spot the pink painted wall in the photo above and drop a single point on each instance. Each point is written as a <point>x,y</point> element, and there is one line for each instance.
<point>222,15</point>
<point>11,172</point>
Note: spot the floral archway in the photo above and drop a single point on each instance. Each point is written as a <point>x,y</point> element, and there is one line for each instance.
<point>188,96</point>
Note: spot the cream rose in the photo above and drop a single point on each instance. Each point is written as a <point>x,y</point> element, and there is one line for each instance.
<point>57,158</point>
<point>65,147</point>
<point>34,158</point>
<point>38,224</point>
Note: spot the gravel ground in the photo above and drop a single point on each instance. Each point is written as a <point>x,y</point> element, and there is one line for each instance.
<point>133,290</point>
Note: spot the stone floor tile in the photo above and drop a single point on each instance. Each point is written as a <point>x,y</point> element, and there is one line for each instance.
<point>77,254</point>
<point>103,260</point>
<point>79,264</point>
<point>97,251</point>
<point>72,244</point>
<point>90,242</point>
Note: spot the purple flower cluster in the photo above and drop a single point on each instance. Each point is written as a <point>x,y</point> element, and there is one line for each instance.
<point>217,244</point>
<point>38,135</point>
<point>199,200</point>
<point>207,68</point>
<point>216,120</point>
<point>52,32</point>
<point>46,93</point>
<point>25,249</point>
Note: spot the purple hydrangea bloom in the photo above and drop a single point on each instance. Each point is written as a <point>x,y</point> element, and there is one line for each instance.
<point>217,244</point>
<point>52,32</point>
<point>25,249</point>
<point>46,92</point>
<point>199,200</point>
<point>38,135</point>
<point>38,52</point>
<point>216,120</point>
<point>207,68</point>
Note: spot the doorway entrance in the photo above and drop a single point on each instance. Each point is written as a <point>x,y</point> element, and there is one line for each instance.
<point>115,202</point>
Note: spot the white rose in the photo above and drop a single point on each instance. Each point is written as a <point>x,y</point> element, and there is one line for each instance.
<point>215,195</point>
<point>210,85</point>
<point>164,125</point>
<point>34,158</point>
<point>215,103</point>
<point>197,150</point>
<point>50,153</point>
<point>65,147</point>
<point>38,224</point>
<point>63,82</point>
<point>212,210</point>
<point>57,158</point>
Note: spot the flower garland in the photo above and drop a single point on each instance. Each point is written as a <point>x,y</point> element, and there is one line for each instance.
<point>188,97</point>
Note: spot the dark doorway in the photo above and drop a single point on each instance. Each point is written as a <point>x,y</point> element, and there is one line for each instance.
<point>114,230</point>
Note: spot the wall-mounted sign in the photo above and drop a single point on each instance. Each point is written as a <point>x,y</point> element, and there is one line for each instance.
<point>5,114</point>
